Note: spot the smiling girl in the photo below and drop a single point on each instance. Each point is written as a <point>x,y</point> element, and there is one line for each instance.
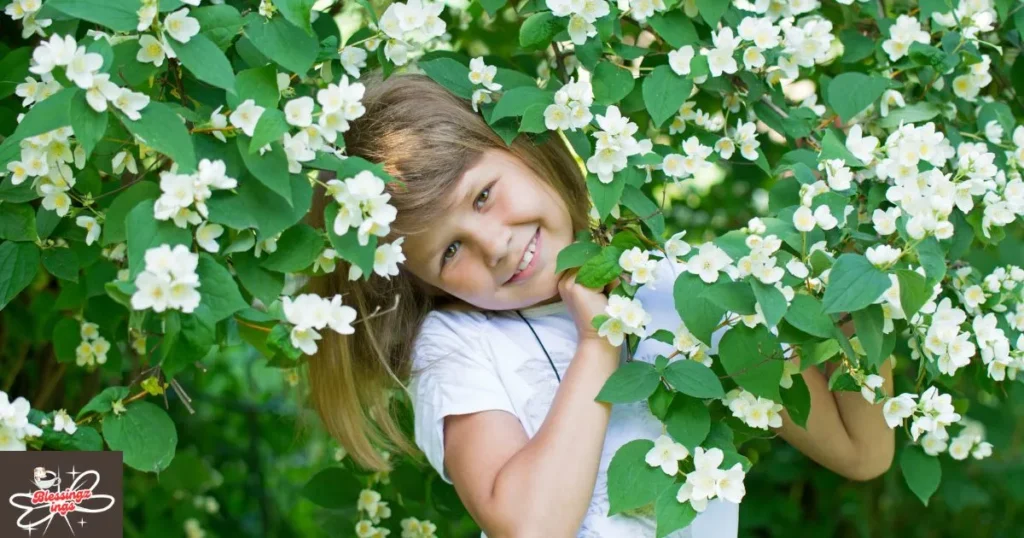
<point>497,349</point>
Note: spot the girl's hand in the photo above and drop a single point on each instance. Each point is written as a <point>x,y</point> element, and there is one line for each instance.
<point>584,303</point>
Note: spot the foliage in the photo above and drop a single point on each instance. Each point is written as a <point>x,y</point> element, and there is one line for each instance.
<point>835,161</point>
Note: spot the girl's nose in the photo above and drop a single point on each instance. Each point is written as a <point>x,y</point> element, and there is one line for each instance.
<point>494,242</point>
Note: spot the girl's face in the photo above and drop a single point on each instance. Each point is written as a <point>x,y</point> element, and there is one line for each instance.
<point>497,209</point>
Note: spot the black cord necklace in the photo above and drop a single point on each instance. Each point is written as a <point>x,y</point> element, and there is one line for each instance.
<point>551,362</point>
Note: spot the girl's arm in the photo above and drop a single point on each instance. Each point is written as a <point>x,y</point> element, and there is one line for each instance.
<point>844,432</point>
<point>516,486</point>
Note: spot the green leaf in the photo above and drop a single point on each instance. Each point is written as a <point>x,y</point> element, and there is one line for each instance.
<point>631,382</point>
<point>600,270</point>
<point>932,259</point>
<point>451,74</point>
<point>805,313</point>
<point>270,128</point>
<point>297,12</point>
<point>868,323</point>
<point>271,168</point>
<point>258,84</point>
<point>912,113</point>
<point>516,101</point>
<point>834,148</point>
<point>631,482</point>
<point>85,438</point>
<point>161,129</point>
<point>18,223</point>
<point>283,42</point>
<point>298,247</point>
<point>104,401</point>
<point>113,227</point>
<point>850,93</point>
<point>672,515</point>
<point>188,338</point>
<point>89,125</point>
<point>347,246</point>
<point>688,421</point>
<point>856,46</point>
<point>14,69</point>
<point>61,263</point>
<point>675,27</point>
<point>205,60</point>
<point>492,6</point>
<point>118,15</point>
<point>576,255</point>
<point>921,471</point>
<point>814,353</point>
<point>797,401</point>
<point>263,284</point>
<point>753,358</point>
<point>220,23</point>
<point>694,379</point>
<point>66,337</point>
<point>19,263</point>
<point>611,83</point>
<point>605,195</point>
<point>45,116</point>
<point>580,143</point>
<point>539,29</point>
<point>712,10</point>
<point>853,284</point>
<point>639,203</point>
<point>333,487</point>
<point>664,92</point>
<point>219,295</point>
<point>700,314</point>
<point>255,206</point>
<point>732,296</point>
<point>145,232</point>
<point>772,301</point>
<point>145,434</point>
<point>914,291</point>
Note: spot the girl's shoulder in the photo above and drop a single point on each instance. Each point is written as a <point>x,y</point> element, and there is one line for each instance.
<point>445,332</point>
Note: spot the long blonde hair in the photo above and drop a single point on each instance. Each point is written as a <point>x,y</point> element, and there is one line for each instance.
<point>424,136</point>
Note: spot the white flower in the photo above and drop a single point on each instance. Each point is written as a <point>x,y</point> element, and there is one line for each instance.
<point>151,292</point>
<point>797,268</point>
<point>729,485</point>
<point>62,422</point>
<point>82,67</point>
<point>147,14</point>
<point>702,482</point>
<point>207,234</point>
<point>862,147</point>
<point>57,51</point>
<point>299,112</point>
<point>92,228</point>
<point>326,261</point>
<point>181,26</point>
<point>57,201</point>
<point>151,50</point>
<point>871,383</point>
<point>124,160</point>
<point>803,219</point>
<point>679,60</point>
<point>824,219</point>
<point>882,256</point>
<point>708,262</point>
<point>352,60</point>
<point>483,74</point>
<point>304,338</point>
<point>246,116</point>
<point>613,329</point>
<point>666,454</point>
<point>899,408</point>
<point>720,58</point>
<point>130,103</point>
<point>885,221</point>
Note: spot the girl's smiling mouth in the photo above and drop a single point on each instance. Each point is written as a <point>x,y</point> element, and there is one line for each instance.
<point>530,257</point>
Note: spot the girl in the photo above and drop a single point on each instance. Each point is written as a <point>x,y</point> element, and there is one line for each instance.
<point>502,362</point>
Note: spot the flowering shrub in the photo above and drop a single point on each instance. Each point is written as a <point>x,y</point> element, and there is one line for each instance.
<point>165,153</point>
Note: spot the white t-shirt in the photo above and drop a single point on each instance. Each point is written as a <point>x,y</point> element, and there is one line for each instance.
<point>470,361</point>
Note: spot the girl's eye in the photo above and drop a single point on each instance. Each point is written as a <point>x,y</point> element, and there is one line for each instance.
<point>484,195</point>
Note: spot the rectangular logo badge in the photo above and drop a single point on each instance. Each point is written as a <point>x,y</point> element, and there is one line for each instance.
<point>61,494</point>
